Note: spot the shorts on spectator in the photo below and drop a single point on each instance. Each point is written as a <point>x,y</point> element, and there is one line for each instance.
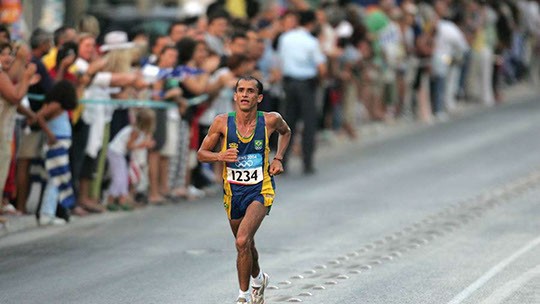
<point>171,139</point>
<point>31,145</point>
<point>89,167</point>
<point>161,129</point>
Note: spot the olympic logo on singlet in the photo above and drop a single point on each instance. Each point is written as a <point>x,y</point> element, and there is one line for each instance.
<point>244,164</point>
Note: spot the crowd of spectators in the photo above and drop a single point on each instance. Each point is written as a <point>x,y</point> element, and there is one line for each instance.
<point>327,69</point>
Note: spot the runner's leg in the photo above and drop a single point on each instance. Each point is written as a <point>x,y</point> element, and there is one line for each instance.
<point>244,230</point>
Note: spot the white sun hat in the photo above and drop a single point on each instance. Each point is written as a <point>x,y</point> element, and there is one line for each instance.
<point>116,40</point>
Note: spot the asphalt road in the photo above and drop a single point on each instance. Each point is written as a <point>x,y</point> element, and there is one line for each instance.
<point>448,213</point>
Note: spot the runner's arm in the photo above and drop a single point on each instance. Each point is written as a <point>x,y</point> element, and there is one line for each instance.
<point>281,126</point>
<point>215,133</point>
<point>278,124</point>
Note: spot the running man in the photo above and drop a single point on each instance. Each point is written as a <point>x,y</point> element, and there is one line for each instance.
<point>247,175</point>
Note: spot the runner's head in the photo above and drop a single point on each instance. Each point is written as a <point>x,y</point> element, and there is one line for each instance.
<point>259,84</point>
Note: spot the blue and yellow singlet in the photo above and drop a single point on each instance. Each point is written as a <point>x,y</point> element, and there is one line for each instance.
<point>247,180</point>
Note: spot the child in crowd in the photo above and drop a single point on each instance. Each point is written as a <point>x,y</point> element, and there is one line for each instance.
<point>58,196</point>
<point>132,137</point>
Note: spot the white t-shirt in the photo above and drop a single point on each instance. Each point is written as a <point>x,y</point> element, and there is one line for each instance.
<point>97,115</point>
<point>120,140</point>
<point>450,43</point>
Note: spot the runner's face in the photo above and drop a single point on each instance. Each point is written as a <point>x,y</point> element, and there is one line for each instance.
<point>247,95</point>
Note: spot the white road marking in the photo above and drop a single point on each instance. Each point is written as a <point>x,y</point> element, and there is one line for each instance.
<point>511,287</point>
<point>492,272</point>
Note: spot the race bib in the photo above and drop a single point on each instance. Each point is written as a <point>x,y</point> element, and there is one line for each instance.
<point>248,170</point>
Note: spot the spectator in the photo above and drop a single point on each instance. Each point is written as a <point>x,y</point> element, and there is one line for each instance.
<point>81,162</point>
<point>406,69</point>
<point>218,22</point>
<point>195,65</point>
<point>450,45</point>
<point>424,45</point>
<point>95,117</point>
<point>31,143</point>
<point>137,136</point>
<point>157,44</point>
<point>303,61</point>
<point>177,31</point>
<point>480,19</point>
<point>10,98</point>
<point>58,196</point>
<point>61,35</point>
<point>65,58</point>
<point>237,44</point>
<point>165,135</point>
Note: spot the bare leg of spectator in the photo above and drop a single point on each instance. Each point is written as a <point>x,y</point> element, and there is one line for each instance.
<point>422,97</point>
<point>153,174</point>
<point>23,183</point>
<point>164,175</point>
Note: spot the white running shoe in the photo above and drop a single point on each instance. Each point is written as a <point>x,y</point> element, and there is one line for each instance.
<point>241,300</point>
<point>47,220</point>
<point>257,293</point>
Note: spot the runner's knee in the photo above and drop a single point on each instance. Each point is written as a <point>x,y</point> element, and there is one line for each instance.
<point>243,243</point>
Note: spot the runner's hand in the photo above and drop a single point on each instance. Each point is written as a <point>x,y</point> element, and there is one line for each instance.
<point>276,167</point>
<point>229,155</point>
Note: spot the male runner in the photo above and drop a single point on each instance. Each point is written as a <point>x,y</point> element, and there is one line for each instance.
<point>247,175</point>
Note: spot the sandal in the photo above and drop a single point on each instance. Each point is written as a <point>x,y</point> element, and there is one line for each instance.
<point>79,211</point>
<point>8,209</point>
<point>93,207</point>
<point>113,206</point>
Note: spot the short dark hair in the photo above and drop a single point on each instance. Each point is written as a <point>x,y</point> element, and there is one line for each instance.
<point>218,13</point>
<point>306,17</point>
<point>250,78</point>
<point>154,39</point>
<point>58,33</point>
<point>235,60</point>
<point>38,37</point>
<point>64,93</point>
<point>186,49</point>
<point>4,29</point>
<point>65,50</point>
<point>175,23</point>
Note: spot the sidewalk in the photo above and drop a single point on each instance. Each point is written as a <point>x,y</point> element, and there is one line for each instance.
<point>368,133</point>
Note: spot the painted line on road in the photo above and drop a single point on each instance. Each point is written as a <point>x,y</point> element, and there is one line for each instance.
<point>511,287</point>
<point>467,292</point>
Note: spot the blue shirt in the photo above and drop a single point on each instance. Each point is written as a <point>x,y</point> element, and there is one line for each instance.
<point>300,53</point>
<point>60,126</point>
